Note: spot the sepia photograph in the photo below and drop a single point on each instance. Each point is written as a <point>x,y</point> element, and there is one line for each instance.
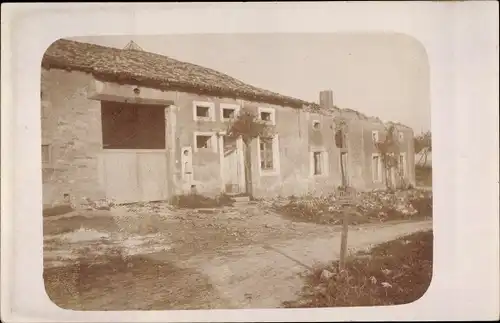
<point>236,171</point>
<point>249,162</point>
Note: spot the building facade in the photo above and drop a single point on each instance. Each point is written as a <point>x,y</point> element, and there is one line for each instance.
<point>133,126</point>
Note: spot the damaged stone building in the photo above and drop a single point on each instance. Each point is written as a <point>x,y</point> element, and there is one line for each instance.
<point>129,125</point>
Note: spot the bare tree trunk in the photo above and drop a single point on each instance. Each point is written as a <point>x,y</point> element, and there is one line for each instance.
<point>248,168</point>
<point>388,177</point>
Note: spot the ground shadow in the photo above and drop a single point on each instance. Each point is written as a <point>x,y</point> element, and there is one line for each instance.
<point>122,283</point>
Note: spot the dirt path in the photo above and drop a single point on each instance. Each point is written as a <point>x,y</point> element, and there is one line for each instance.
<point>235,257</point>
<point>263,276</point>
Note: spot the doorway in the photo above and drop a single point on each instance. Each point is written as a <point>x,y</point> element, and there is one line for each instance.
<point>232,167</point>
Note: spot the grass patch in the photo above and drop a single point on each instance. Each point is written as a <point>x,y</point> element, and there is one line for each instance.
<point>367,207</point>
<point>396,272</point>
<point>197,201</point>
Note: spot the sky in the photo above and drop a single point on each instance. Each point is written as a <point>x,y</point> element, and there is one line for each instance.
<point>381,75</point>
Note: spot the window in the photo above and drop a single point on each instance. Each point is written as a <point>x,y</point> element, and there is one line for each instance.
<point>340,139</point>
<point>228,111</point>
<point>132,126</point>
<point>316,125</point>
<point>46,154</point>
<point>318,166</point>
<point>376,168</point>
<point>401,136</point>
<point>402,164</point>
<point>375,136</point>
<point>266,154</point>
<point>267,115</point>
<point>204,141</point>
<point>319,163</point>
<point>203,111</point>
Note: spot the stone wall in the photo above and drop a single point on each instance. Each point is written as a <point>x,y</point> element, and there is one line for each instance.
<point>71,127</point>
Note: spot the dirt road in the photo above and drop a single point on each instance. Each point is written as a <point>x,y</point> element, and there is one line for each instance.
<point>263,276</point>
<point>235,258</point>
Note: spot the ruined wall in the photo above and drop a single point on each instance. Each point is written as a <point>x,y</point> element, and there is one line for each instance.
<point>405,146</point>
<point>71,127</point>
<point>370,149</point>
<point>297,139</point>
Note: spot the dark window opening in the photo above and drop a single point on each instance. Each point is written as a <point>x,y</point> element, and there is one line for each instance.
<point>202,112</point>
<point>227,113</point>
<point>340,140</point>
<point>266,154</point>
<point>132,126</point>
<point>266,116</point>
<point>316,125</point>
<point>318,163</point>
<point>203,141</point>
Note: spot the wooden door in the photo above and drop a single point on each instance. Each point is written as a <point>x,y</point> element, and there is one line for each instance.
<point>129,176</point>
<point>232,167</point>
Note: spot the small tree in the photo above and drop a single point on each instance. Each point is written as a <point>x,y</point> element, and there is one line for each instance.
<point>423,143</point>
<point>389,152</point>
<point>248,126</point>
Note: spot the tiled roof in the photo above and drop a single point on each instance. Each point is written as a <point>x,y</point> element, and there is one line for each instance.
<point>135,66</point>
<point>156,71</point>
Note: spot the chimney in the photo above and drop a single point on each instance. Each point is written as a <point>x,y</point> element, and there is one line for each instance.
<point>326,99</point>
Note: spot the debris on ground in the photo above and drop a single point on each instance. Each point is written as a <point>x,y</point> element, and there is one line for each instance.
<point>100,204</point>
<point>374,206</point>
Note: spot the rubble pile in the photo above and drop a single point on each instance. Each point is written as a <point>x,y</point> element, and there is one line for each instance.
<point>102,204</point>
<point>373,206</point>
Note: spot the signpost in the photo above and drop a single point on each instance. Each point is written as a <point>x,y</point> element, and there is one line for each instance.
<point>346,200</point>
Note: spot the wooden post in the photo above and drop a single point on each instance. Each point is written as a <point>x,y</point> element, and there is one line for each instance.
<point>343,241</point>
<point>346,200</point>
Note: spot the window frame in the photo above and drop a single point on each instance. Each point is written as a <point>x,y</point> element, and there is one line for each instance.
<point>269,110</point>
<point>324,162</point>
<point>205,104</point>
<point>379,179</point>
<point>403,167</point>
<point>229,106</point>
<point>276,157</point>
<point>213,141</point>
<point>377,135</point>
